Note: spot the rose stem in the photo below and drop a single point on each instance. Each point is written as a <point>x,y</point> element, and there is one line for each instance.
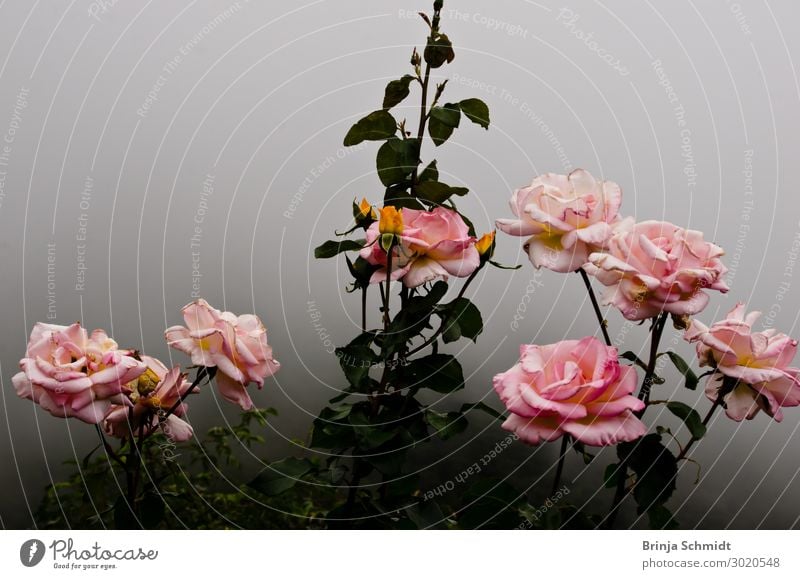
<point>595,305</point>
<point>560,467</point>
<point>644,395</point>
<point>364,309</point>
<point>107,447</point>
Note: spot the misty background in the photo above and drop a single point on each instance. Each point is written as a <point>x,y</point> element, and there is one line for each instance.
<point>150,147</point>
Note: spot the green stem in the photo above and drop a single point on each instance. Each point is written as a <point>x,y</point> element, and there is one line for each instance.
<point>644,395</point>
<point>602,321</point>
<point>655,338</point>
<point>107,447</point>
<point>560,468</point>
<point>364,309</point>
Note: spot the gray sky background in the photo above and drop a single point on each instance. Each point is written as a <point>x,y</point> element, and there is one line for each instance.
<point>249,102</point>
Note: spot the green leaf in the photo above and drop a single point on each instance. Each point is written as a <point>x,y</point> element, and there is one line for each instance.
<point>501,266</point>
<point>426,515</point>
<point>439,372</point>
<point>612,475</point>
<point>631,357</point>
<point>376,126</point>
<point>467,407</point>
<point>460,318</point>
<point>332,248</point>
<point>412,319</point>
<point>328,434</point>
<point>361,270</point>
<point>690,378</point>
<point>437,192</point>
<point>656,470</point>
<point>659,517</point>
<point>368,435</point>
<point>430,173</point>
<point>396,159</point>
<point>448,114</point>
<point>446,424</point>
<point>280,476</point>
<point>356,359</point>
<point>690,418</point>
<point>439,131</point>
<point>396,91</point>
<point>476,110</point>
<point>491,504</point>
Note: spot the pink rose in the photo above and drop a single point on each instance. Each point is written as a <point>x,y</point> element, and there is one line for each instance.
<point>574,387</point>
<point>759,361</point>
<point>69,373</point>
<point>655,266</point>
<point>153,395</point>
<point>431,244</point>
<point>235,345</point>
<point>567,216</point>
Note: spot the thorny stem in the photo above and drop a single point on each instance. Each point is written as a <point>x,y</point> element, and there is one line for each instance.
<point>644,395</point>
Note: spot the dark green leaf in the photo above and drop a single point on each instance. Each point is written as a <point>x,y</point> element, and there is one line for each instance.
<point>436,192</point>
<point>440,372</point>
<point>659,517</point>
<point>426,515</point>
<point>493,504</point>
<point>631,357</point>
<point>690,418</point>
<point>332,248</point>
<point>448,114</point>
<point>482,407</point>
<point>376,126</point>
<point>446,424</point>
<point>655,467</point>
<point>501,266</point>
<point>396,159</point>
<point>580,448</point>
<point>439,131</point>
<point>396,91</point>
<point>370,435</point>
<point>412,319</point>
<point>280,476</point>
<point>356,359</point>
<point>476,111</point>
<point>331,435</point>
<point>430,173</point>
<point>153,514</point>
<point>460,318</point>
<point>361,270</point>
<point>123,516</point>
<point>690,378</point>
<point>612,475</point>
